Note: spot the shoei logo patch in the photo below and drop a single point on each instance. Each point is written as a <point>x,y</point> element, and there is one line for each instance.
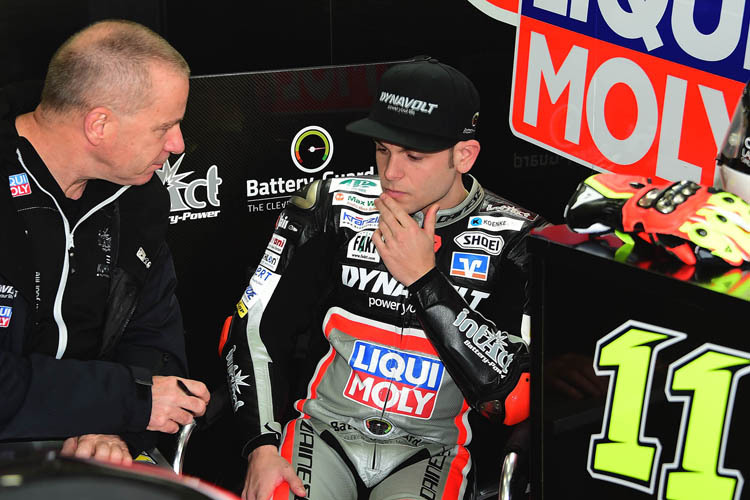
<point>406,105</point>
<point>399,382</point>
<point>5,314</point>
<point>470,265</point>
<point>19,185</point>
<point>476,240</point>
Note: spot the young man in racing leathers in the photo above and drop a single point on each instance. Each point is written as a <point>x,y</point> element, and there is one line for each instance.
<point>405,352</point>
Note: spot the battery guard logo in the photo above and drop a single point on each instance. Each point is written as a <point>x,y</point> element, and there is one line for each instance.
<point>185,197</point>
<point>19,185</point>
<point>5,314</point>
<point>470,265</point>
<point>399,382</point>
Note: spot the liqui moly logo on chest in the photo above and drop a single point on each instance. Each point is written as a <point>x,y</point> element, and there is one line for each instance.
<point>19,185</point>
<point>399,382</point>
<point>5,314</point>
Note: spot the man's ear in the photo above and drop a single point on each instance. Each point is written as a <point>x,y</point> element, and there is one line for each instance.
<point>465,154</point>
<point>98,125</point>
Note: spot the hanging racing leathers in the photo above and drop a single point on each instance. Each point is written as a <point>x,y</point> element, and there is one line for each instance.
<point>396,370</point>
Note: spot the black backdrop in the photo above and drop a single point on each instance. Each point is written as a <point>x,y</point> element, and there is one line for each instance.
<point>223,37</point>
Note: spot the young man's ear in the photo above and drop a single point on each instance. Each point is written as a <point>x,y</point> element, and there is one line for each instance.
<point>465,154</point>
<point>98,124</point>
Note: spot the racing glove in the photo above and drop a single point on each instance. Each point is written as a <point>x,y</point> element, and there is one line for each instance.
<point>693,222</point>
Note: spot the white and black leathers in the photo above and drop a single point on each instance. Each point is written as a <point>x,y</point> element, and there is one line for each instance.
<point>389,363</point>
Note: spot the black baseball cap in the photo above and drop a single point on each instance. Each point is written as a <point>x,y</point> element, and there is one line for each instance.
<point>423,105</point>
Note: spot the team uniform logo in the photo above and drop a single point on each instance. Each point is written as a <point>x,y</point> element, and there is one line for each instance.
<point>510,209</point>
<point>363,186</point>
<point>19,185</point>
<point>361,247</point>
<point>354,201</point>
<point>357,222</point>
<point>474,240</point>
<point>495,223</point>
<point>400,382</point>
<point>247,298</point>
<point>270,260</point>
<point>277,243</point>
<point>5,314</point>
<point>470,265</point>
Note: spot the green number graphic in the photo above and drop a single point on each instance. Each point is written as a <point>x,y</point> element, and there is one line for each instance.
<point>705,381</point>
<point>622,453</point>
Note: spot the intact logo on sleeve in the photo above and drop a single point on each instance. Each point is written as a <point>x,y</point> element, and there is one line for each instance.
<point>5,314</point>
<point>19,185</point>
<point>399,382</point>
<point>470,265</point>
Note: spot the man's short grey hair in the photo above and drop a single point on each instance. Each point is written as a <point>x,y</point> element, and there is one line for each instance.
<point>107,64</point>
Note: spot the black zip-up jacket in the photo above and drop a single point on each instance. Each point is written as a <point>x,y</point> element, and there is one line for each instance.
<point>97,294</point>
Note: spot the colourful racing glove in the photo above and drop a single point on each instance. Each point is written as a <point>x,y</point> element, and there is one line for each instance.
<point>693,222</point>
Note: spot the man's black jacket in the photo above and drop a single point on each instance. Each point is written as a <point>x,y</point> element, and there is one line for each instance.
<point>141,334</point>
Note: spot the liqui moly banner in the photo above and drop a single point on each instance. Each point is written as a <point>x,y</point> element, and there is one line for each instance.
<point>642,87</point>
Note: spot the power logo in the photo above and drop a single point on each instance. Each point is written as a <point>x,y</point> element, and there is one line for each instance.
<point>470,265</point>
<point>183,196</point>
<point>19,185</point>
<point>5,314</point>
<point>399,382</point>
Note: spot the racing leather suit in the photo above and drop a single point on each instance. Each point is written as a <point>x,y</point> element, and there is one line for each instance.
<point>395,372</point>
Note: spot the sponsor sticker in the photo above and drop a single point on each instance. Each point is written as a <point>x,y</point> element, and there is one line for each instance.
<point>277,243</point>
<point>5,314</point>
<point>476,240</point>
<point>354,201</point>
<point>510,209</point>
<point>491,223</point>
<point>358,222</point>
<point>399,382</point>
<point>361,247</point>
<point>282,222</point>
<point>363,186</point>
<point>247,298</point>
<point>470,265</point>
<point>270,260</point>
<point>19,185</point>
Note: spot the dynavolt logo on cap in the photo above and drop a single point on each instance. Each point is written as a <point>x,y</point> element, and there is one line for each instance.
<point>400,382</point>
<point>19,185</point>
<point>407,105</point>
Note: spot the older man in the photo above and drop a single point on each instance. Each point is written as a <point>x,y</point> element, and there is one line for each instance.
<point>91,335</point>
